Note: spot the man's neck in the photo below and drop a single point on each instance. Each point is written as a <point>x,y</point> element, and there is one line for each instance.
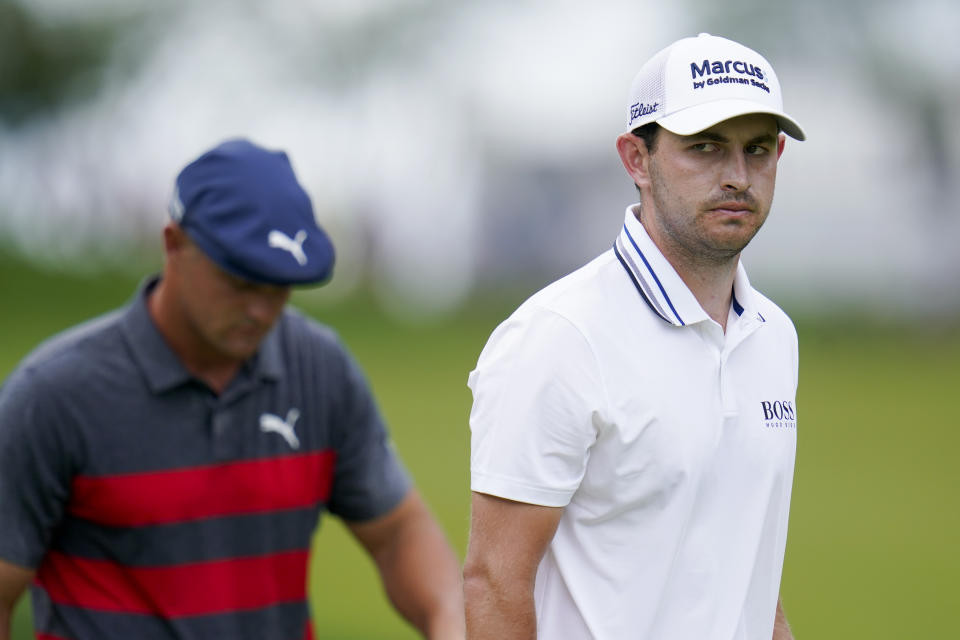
<point>710,281</point>
<point>212,368</point>
<point>712,287</point>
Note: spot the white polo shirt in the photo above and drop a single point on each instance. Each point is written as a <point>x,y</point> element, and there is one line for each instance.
<point>670,445</point>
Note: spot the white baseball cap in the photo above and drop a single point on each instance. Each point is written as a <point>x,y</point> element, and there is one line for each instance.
<point>697,82</point>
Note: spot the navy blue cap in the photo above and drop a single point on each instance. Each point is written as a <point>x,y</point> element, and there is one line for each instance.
<point>242,205</point>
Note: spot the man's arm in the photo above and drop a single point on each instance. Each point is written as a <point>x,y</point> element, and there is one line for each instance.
<point>781,630</point>
<point>13,582</point>
<point>418,567</point>
<point>507,541</point>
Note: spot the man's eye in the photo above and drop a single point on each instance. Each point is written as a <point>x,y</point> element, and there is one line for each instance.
<point>756,150</point>
<point>705,147</point>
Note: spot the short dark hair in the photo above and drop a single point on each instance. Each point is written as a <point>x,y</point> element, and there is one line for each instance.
<point>649,134</point>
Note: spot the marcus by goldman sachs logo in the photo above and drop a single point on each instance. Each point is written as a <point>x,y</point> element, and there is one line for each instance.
<point>779,414</point>
<point>710,68</point>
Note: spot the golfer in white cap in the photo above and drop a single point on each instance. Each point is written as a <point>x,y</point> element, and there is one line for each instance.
<point>634,423</point>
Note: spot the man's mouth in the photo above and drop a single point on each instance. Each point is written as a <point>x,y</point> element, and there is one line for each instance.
<point>732,208</point>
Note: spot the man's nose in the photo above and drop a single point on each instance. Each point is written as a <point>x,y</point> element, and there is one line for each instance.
<point>735,176</point>
<point>263,308</point>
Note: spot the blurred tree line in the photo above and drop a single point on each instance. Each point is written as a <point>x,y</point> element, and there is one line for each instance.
<point>47,62</point>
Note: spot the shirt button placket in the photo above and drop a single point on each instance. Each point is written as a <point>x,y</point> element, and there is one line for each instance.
<point>728,398</point>
<point>221,437</point>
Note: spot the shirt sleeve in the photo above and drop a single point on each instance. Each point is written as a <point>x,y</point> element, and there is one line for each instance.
<point>537,397</point>
<point>369,478</point>
<point>35,469</point>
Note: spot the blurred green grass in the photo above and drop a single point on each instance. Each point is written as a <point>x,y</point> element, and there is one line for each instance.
<point>874,519</point>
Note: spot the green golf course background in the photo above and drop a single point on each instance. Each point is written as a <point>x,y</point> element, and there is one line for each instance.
<point>872,550</point>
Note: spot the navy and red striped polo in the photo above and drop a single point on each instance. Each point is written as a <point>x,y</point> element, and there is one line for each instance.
<point>152,508</point>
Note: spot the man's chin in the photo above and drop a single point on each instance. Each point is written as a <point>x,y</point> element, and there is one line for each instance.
<point>240,349</point>
<point>734,239</point>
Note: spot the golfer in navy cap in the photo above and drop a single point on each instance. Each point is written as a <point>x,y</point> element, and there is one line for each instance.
<point>162,468</point>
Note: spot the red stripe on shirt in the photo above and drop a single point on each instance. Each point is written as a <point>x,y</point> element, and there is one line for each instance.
<point>179,495</point>
<point>189,589</point>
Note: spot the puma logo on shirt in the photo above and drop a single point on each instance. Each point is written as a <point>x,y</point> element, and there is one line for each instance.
<point>271,423</point>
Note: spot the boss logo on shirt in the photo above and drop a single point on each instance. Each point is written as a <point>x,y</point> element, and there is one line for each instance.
<point>779,414</point>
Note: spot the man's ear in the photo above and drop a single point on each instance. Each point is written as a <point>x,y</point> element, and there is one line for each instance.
<point>635,158</point>
<point>781,143</point>
<point>175,239</point>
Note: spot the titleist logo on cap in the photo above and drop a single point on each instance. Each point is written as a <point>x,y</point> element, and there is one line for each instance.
<point>638,110</point>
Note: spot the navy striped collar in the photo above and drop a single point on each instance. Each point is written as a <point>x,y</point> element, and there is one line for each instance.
<point>658,283</point>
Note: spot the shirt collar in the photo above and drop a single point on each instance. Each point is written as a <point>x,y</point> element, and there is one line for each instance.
<point>661,287</point>
<point>162,368</point>
<point>745,298</point>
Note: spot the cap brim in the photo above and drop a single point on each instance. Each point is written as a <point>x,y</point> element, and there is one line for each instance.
<point>703,116</point>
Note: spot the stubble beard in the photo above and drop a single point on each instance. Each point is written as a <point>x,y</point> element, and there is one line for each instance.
<point>692,237</point>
